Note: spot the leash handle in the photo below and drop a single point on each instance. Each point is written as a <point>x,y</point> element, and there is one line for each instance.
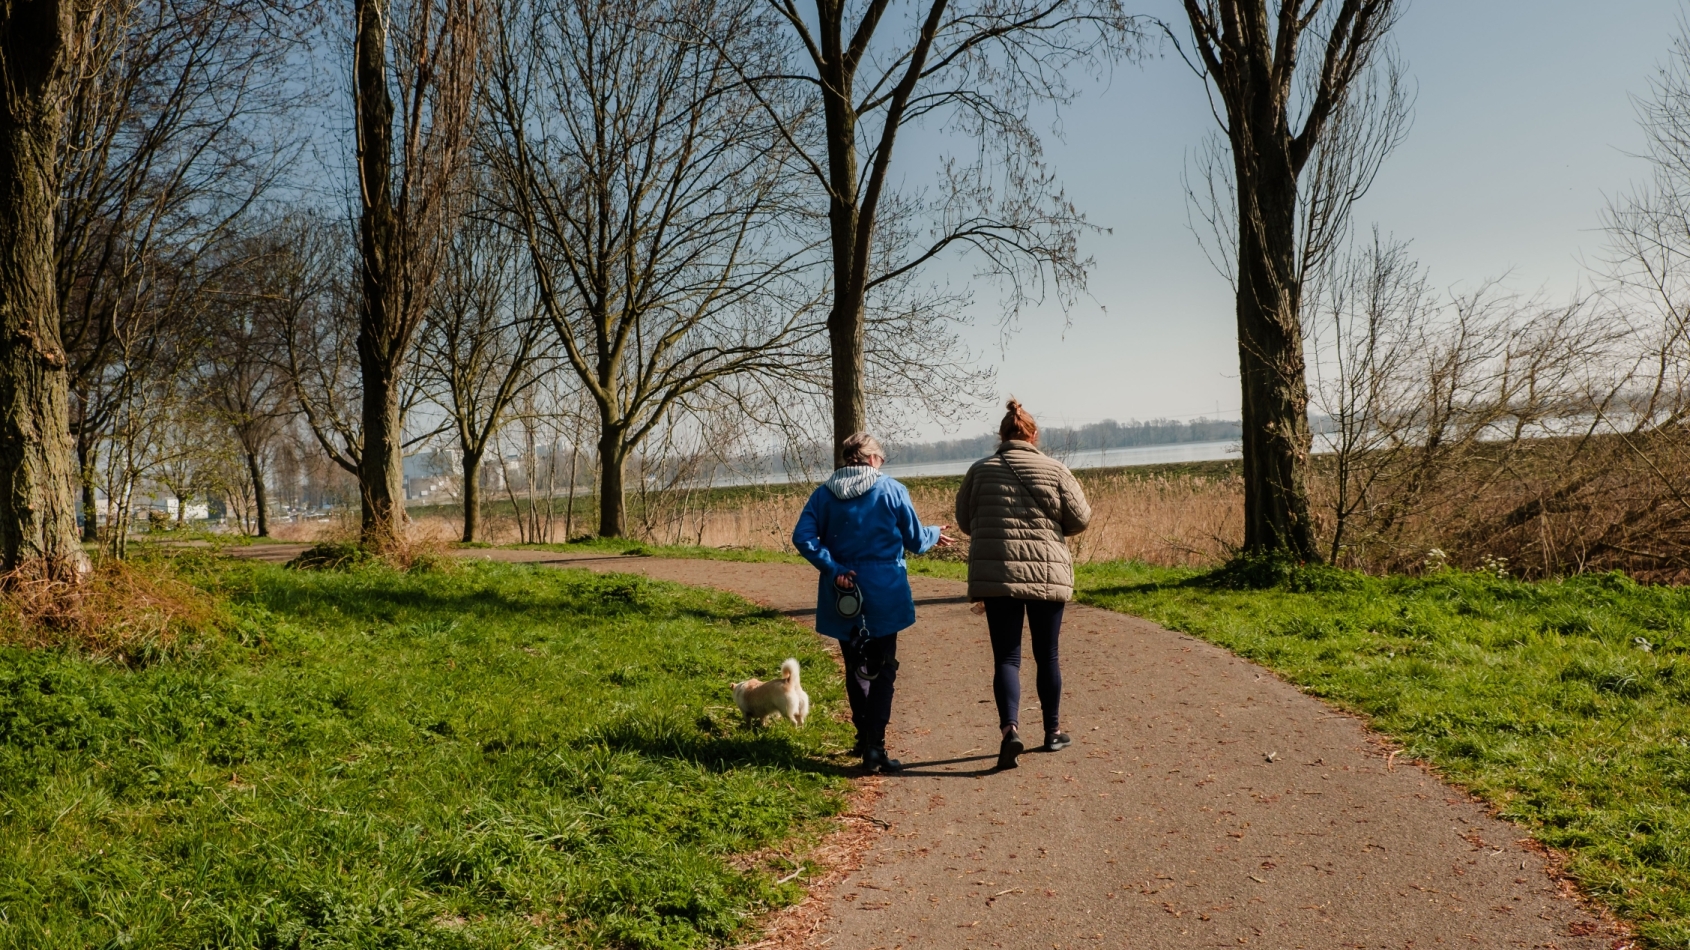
<point>848,603</point>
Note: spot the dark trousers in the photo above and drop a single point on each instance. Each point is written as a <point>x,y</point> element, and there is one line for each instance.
<point>871,710</point>
<point>1044,619</point>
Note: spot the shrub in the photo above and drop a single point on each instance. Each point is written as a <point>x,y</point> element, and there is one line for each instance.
<point>332,556</point>
<point>130,611</point>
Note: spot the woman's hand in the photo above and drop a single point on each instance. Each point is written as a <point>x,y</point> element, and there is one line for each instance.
<point>845,581</point>
<point>945,540</point>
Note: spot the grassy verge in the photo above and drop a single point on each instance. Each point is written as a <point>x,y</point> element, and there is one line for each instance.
<point>495,756</point>
<point>1563,703</point>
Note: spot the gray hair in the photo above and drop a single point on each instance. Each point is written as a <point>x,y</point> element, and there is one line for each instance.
<point>859,448</point>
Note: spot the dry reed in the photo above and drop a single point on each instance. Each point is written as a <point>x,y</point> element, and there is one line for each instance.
<point>1172,520</point>
<point>1169,519</point>
<point>1534,508</point>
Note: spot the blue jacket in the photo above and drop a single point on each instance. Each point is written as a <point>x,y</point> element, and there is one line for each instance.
<point>860,520</point>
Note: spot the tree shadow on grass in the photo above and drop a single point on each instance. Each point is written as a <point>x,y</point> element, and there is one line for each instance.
<point>384,604</point>
<point>667,737</point>
<point>1200,582</point>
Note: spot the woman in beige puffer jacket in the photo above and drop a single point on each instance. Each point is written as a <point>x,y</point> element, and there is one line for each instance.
<point>1018,507</point>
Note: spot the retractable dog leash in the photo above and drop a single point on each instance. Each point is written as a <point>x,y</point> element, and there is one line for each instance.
<point>848,601</point>
<point>849,604</point>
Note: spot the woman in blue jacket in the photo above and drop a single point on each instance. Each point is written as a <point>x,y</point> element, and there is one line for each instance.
<point>855,530</point>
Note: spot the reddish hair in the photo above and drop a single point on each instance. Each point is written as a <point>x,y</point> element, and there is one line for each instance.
<point>1018,424</point>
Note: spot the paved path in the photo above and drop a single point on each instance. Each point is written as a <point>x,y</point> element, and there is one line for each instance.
<point>1204,803</point>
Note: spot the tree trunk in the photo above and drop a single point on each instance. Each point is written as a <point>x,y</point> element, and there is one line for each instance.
<point>551,492</point>
<point>381,459</point>
<point>87,474</point>
<point>850,267</point>
<point>38,532</point>
<point>472,495</point>
<point>569,512</point>
<point>381,343</point>
<point>258,495</point>
<point>1250,56</point>
<point>531,475</point>
<point>1276,437</point>
<point>117,524</point>
<point>613,508</point>
<point>516,508</point>
<point>845,341</point>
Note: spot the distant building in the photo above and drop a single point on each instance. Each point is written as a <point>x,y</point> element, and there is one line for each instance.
<point>431,488</point>
<point>433,476</point>
<point>104,510</point>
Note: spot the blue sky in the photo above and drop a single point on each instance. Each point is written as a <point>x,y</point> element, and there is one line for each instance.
<point>1524,123</point>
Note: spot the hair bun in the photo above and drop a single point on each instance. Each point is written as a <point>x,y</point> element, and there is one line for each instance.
<point>1018,424</point>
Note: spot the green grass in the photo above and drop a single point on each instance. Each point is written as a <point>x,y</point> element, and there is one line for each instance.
<point>1540,697</point>
<point>498,756</point>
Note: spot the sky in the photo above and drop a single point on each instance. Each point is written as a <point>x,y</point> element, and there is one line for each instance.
<point>1524,124</point>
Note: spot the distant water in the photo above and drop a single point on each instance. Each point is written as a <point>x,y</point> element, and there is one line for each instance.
<point>1093,458</point>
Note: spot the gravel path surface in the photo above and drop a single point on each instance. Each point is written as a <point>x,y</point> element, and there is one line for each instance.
<point>1204,803</point>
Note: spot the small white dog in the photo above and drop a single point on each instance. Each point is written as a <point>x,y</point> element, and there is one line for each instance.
<point>759,700</point>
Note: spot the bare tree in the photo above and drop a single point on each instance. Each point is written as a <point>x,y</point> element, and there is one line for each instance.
<point>532,432</point>
<point>479,344</point>
<point>1647,286</point>
<point>226,477</point>
<point>313,312</point>
<point>316,326</point>
<point>1470,424</point>
<point>1372,314</point>
<point>149,430</point>
<point>1278,116</point>
<point>193,439</point>
<point>242,369</point>
<point>410,160</point>
<point>174,128</point>
<point>647,184</point>
<point>679,466</point>
<point>975,67</point>
<point>37,515</point>
<point>544,455</point>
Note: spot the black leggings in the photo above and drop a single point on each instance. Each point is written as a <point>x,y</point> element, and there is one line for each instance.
<point>871,711</point>
<point>1044,620</point>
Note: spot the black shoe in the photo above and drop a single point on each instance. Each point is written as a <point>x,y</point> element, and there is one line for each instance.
<point>859,750</point>
<point>1010,749</point>
<point>1057,741</point>
<point>875,760</point>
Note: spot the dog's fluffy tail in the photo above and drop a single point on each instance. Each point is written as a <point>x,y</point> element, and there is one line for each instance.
<point>789,673</point>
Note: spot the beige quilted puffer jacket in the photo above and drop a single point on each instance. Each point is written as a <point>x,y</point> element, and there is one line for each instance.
<point>1017,507</point>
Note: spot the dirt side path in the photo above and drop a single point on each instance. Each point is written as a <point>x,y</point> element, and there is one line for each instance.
<point>1166,824</point>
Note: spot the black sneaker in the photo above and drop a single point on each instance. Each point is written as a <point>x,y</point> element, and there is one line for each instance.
<point>1057,741</point>
<point>876,760</point>
<point>1010,749</point>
